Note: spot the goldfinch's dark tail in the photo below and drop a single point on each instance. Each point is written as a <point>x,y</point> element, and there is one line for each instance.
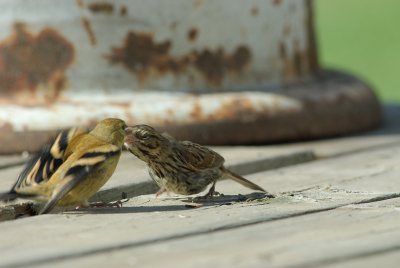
<point>242,181</point>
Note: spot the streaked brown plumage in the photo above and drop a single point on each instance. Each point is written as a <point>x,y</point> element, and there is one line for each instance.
<point>73,168</point>
<point>181,167</point>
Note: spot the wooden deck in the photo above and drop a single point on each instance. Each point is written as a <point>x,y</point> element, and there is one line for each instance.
<point>337,204</point>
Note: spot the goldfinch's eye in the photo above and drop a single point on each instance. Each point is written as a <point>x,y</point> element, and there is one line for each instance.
<point>124,127</point>
<point>145,135</point>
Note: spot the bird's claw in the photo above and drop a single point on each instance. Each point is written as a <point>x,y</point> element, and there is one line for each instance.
<point>205,197</point>
<point>117,204</point>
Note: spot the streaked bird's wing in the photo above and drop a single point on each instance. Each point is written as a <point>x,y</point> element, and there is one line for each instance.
<point>200,157</point>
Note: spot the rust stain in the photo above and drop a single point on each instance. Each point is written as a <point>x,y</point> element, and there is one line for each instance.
<point>296,64</point>
<point>58,83</point>
<point>286,30</point>
<point>243,32</point>
<point>277,2</point>
<point>101,7</point>
<point>214,65</point>
<point>292,7</point>
<point>239,59</point>
<point>126,107</point>
<point>302,61</point>
<point>80,4</point>
<point>120,104</point>
<point>143,56</point>
<point>6,127</point>
<point>172,26</point>
<point>192,34</point>
<point>140,52</point>
<point>27,61</point>
<point>238,109</point>
<point>197,3</point>
<point>211,64</point>
<point>197,112</point>
<point>88,28</point>
<point>123,10</point>
<point>312,42</point>
<point>170,112</point>
<point>92,123</point>
<point>254,11</point>
<point>282,50</point>
<point>129,118</point>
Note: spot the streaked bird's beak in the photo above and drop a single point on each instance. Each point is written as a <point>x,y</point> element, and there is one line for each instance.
<point>128,131</point>
<point>129,139</point>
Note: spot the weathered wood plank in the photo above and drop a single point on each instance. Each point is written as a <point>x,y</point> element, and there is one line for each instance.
<point>12,160</point>
<point>141,221</point>
<point>144,220</point>
<point>302,189</point>
<point>372,166</point>
<point>333,237</point>
<point>383,258</point>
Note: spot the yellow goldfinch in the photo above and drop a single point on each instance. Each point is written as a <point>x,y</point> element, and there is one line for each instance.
<point>74,168</point>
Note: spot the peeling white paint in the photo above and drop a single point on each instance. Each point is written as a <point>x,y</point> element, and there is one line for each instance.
<point>147,108</point>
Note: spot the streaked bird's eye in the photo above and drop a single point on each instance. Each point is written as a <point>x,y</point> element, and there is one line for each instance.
<point>145,135</point>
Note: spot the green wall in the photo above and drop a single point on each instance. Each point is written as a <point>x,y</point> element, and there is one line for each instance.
<point>362,37</point>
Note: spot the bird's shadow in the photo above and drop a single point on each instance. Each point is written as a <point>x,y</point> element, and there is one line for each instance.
<point>124,210</point>
<point>187,204</point>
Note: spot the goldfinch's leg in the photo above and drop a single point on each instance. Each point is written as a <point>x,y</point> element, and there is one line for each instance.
<point>84,204</point>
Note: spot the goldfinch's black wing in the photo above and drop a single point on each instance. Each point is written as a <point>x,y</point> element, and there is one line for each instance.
<point>78,171</point>
<point>43,165</point>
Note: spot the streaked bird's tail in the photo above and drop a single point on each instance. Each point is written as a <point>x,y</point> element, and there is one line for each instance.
<point>242,181</point>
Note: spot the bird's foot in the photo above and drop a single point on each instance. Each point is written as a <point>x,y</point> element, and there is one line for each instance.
<point>210,193</point>
<point>204,197</point>
<point>117,204</point>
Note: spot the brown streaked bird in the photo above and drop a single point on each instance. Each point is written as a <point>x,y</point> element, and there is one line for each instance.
<point>73,168</point>
<point>181,167</point>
